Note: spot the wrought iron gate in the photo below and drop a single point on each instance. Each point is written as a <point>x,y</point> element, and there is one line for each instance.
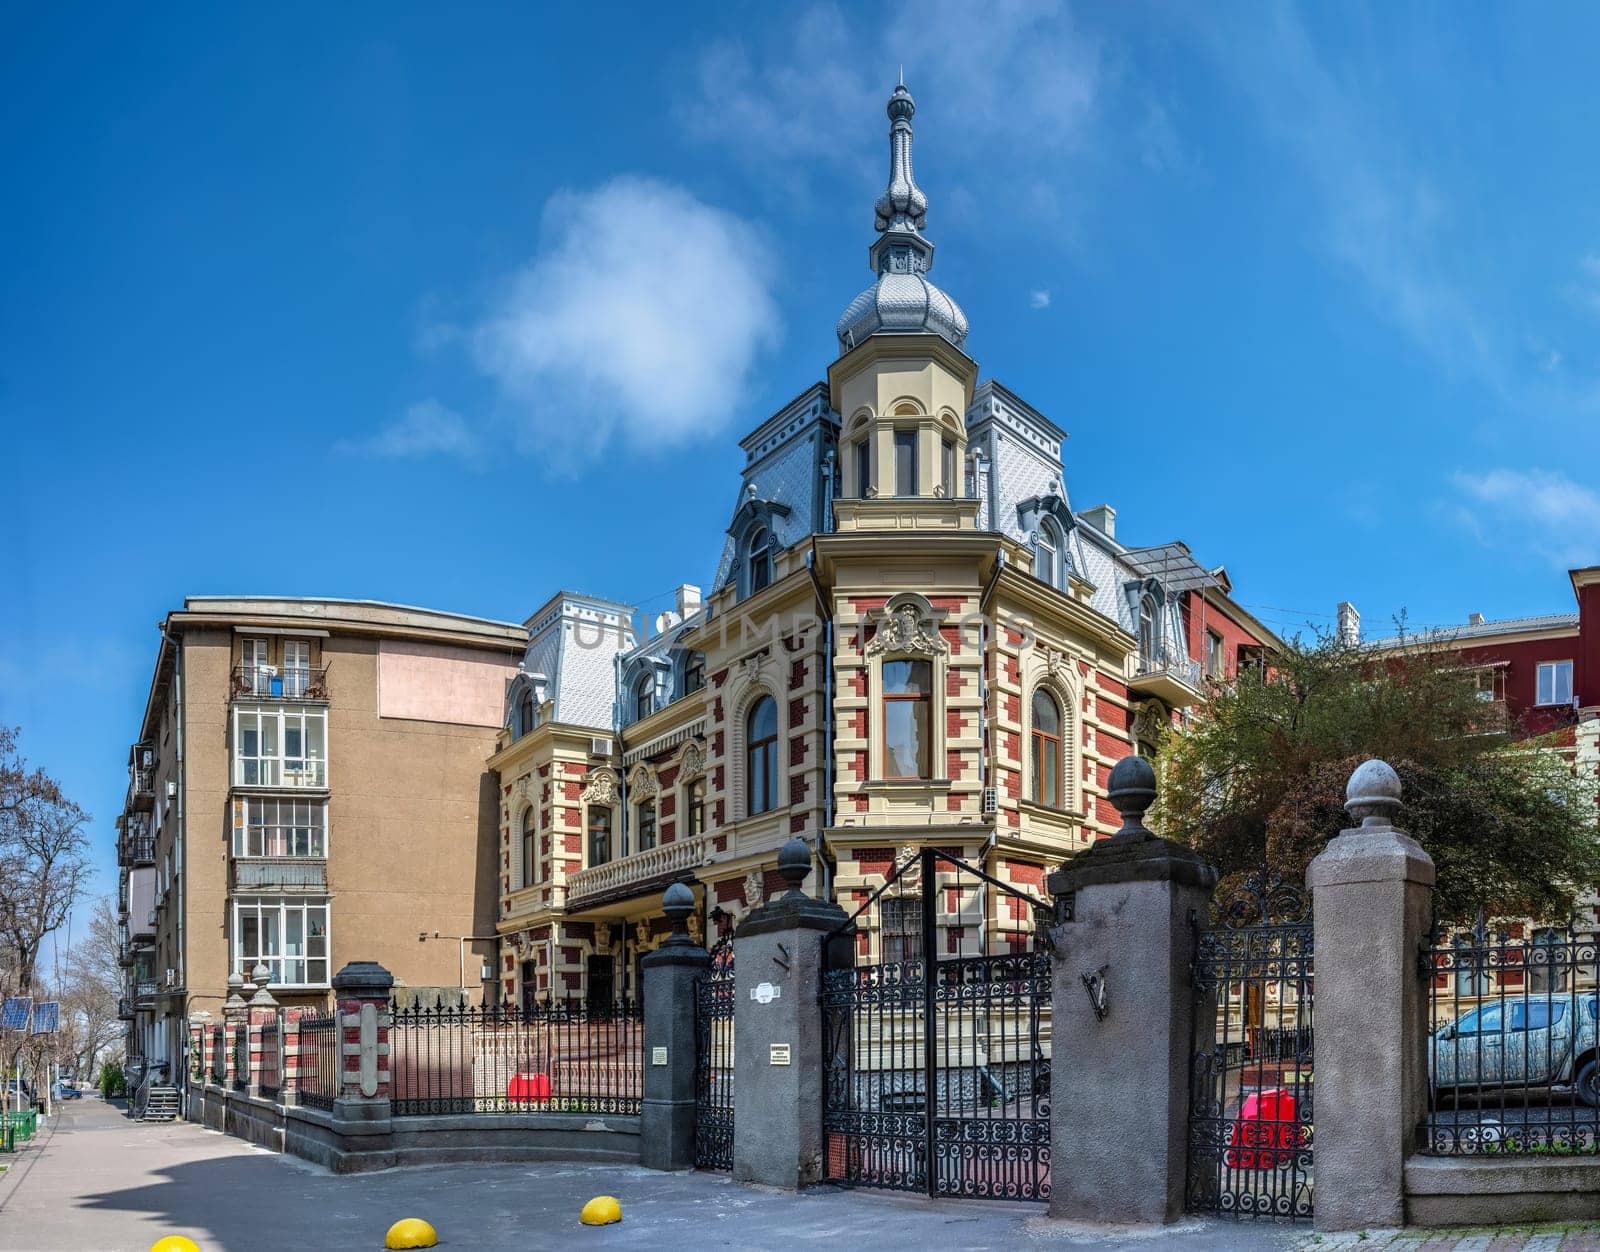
<point>713,1061</point>
<point>1250,1118</point>
<point>936,1060</point>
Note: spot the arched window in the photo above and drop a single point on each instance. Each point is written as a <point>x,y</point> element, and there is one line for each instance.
<point>761,757</point>
<point>864,466</point>
<point>527,847</point>
<point>907,719</point>
<point>760,560</point>
<point>1047,554</point>
<point>1149,635</point>
<point>525,714</point>
<point>647,825</point>
<point>644,697</point>
<point>694,673</point>
<point>1046,787</point>
<point>599,835</point>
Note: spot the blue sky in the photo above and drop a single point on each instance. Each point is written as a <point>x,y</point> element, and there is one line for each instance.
<point>456,308</point>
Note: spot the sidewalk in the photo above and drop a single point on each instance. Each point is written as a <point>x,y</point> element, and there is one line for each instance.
<point>1555,1237</point>
<point>94,1180</point>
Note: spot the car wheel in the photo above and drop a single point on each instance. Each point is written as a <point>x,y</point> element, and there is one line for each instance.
<point>1588,1083</point>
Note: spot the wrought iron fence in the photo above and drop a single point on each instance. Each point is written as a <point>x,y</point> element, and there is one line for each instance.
<point>1512,1045</point>
<point>241,1057</point>
<point>715,996</point>
<point>317,1069</point>
<point>1250,1114</point>
<point>563,1056</point>
<point>271,1059</point>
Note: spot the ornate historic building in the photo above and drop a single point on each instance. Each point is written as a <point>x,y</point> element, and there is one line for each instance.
<point>911,638</point>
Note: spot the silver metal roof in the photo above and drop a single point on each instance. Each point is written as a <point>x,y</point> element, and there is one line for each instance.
<point>1171,565</point>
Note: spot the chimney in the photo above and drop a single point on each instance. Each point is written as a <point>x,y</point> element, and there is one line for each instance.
<point>1103,518</point>
<point>688,601</point>
<point>1349,623</point>
<point>1474,619</point>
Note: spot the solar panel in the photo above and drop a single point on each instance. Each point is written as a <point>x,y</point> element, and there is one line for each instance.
<point>15,1012</point>
<point>47,1017</point>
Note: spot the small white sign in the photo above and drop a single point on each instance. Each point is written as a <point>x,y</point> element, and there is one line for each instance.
<point>658,1056</point>
<point>765,993</point>
<point>778,1054</point>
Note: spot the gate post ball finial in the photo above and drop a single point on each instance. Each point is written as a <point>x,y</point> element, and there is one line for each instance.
<point>677,902</point>
<point>1373,794</point>
<point>794,863</point>
<point>1132,790</point>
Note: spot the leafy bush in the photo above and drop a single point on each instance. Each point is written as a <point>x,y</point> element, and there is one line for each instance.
<point>112,1080</point>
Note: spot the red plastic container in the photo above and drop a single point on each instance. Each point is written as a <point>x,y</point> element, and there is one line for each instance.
<point>529,1087</point>
<point>1267,1131</point>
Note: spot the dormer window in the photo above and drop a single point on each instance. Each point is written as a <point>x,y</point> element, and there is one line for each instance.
<point>644,698</point>
<point>525,714</point>
<point>1047,554</point>
<point>760,560</point>
<point>1149,635</point>
<point>694,673</point>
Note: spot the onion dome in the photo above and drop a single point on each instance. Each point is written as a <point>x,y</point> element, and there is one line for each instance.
<point>902,301</point>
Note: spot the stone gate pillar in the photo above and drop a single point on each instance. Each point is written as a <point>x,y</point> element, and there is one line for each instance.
<point>361,1111</point>
<point>1372,900</point>
<point>777,1032</point>
<point>672,976</point>
<point>1122,1017</point>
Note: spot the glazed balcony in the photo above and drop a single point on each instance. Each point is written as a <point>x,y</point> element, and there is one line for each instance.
<point>639,873</point>
<point>280,873</point>
<point>1169,676</point>
<point>269,682</point>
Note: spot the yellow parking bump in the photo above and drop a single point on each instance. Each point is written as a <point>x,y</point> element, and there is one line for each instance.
<point>601,1211</point>
<point>411,1232</point>
<point>174,1243</point>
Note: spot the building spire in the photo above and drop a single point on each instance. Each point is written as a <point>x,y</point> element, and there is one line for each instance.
<point>902,208</point>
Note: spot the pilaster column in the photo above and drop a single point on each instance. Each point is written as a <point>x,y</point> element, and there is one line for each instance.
<point>235,1013</point>
<point>1123,1017</point>
<point>361,1111</point>
<point>672,975</point>
<point>1372,899</point>
<point>777,1032</point>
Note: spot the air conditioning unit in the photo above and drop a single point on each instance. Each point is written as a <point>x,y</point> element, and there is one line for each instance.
<point>172,978</point>
<point>147,758</point>
<point>599,747</point>
<point>991,802</point>
<point>172,788</point>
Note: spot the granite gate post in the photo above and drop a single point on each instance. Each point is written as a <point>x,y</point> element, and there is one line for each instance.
<point>361,1111</point>
<point>777,1032</point>
<point>671,977</point>
<point>1122,1017</point>
<point>1372,892</point>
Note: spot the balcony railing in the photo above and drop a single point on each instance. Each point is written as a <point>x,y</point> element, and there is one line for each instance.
<point>303,772</point>
<point>141,788</point>
<point>1169,675</point>
<point>144,991</point>
<point>139,849</point>
<point>268,682</point>
<point>637,869</point>
<point>124,1009</point>
<point>280,873</point>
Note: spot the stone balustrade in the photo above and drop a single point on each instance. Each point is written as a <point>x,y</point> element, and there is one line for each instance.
<point>638,867</point>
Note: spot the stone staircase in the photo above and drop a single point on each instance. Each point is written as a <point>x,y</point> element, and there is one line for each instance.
<point>160,1105</point>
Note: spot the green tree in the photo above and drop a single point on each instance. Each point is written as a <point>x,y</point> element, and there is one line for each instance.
<point>1260,777</point>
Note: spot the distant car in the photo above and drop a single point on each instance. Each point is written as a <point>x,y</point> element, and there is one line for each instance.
<point>1547,1040</point>
<point>65,1091</point>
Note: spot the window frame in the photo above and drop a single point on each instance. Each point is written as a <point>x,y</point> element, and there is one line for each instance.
<point>947,467</point>
<point>694,806</point>
<point>1216,654</point>
<point>863,456</point>
<point>1555,669</point>
<point>1149,631</point>
<point>923,698</point>
<point>694,673</point>
<point>591,828</point>
<point>758,560</point>
<point>1042,741</point>
<point>644,696</point>
<point>282,906</point>
<point>647,822</point>
<point>247,804</point>
<point>767,746</point>
<point>529,836</point>
<point>908,941</point>
<point>283,717</point>
<point>527,715</point>
<point>905,439</point>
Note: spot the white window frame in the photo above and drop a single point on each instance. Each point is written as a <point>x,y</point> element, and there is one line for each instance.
<point>245,806</point>
<point>280,908</point>
<point>1553,668</point>
<point>296,666</point>
<point>273,770</point>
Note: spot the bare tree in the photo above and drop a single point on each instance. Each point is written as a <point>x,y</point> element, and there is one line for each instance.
<point>89,1024</point>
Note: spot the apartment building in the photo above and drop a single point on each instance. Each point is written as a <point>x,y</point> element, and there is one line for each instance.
<point>308,787</point>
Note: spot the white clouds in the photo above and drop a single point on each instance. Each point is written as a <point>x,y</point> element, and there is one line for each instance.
<point>1039,299</point>
<point>427,429</point>
<point>640,318</point>
<point>1540,509</point>
<point>1015,83</point>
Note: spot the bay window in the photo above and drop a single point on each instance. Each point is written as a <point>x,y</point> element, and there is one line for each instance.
<point>270,826</point>
<point>280,747</point>
<point>908,719</point>
<point>289,936</point>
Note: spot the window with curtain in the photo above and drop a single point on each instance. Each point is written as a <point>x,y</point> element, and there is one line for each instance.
<point>528,836</point>
<point>761,757</point>
<point>1046,788</point>
<point>905,462</point>
<point>599,836</point>
<point>907,719</point>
